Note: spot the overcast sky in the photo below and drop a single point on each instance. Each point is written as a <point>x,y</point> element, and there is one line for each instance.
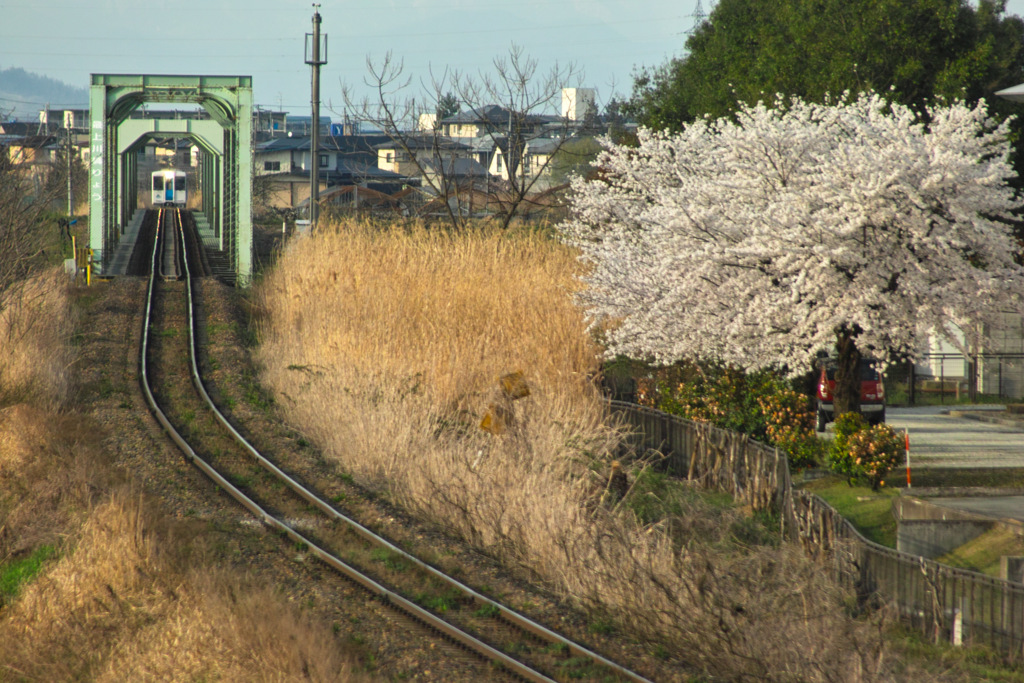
<point>70,39</point>
<point>607,39</point>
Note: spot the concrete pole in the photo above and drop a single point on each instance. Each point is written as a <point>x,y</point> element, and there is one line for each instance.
<point>67,129</point>
<point>314,144</point>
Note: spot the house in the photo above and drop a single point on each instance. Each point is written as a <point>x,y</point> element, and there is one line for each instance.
<point>531,163</point>
<point>302,126</point>
<point>1000,363</point>
<point>501,140</point>
<point>410,155</point>
<point>282,166</point>
<point>32,150</point>
<point>53,119</point>
<point>493,120</point>
<point>456,172</point>
<point>268,124</point>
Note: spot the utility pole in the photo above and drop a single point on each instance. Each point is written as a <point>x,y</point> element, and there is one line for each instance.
<point>67,129</point>
<point>314,60</point>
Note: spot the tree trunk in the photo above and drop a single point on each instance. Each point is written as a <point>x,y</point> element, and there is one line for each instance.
<point>847,392</point>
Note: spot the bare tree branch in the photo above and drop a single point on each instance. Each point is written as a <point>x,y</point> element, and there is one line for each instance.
<point>514,107</point>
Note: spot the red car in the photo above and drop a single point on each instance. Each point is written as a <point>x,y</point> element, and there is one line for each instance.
<point>872,393</point>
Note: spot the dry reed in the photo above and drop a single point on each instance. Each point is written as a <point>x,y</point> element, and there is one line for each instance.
<point>114,608</point>
<point>387,345</point>
<point>35,326</point>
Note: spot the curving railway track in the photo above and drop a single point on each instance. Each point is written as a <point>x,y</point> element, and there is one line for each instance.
<point>508,642</point>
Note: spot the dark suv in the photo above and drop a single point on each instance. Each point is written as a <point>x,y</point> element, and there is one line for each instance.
<point>872,392</point>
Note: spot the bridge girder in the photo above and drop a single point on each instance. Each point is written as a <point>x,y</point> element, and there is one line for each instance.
<point>226,143</point>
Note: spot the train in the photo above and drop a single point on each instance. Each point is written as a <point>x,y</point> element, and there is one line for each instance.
<point>169,188</point>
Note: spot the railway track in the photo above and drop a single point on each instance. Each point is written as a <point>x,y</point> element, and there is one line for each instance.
<point>507,641</point>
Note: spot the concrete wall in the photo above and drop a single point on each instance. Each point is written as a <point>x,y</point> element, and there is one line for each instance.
<point>932,539</point>
<point>1012,569</point>
<point>932,531</point>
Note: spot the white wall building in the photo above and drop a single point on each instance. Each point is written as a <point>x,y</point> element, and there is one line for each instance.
<point>577,103</point>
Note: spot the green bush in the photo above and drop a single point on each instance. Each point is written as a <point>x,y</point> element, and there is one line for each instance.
<point>760,404</point>
<point>718,394</point>
<point>863,453</point>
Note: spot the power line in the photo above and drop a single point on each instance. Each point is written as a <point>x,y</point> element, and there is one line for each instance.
<point>56,105</point>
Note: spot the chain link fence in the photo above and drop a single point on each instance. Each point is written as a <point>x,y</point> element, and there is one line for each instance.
<point>950,378</point>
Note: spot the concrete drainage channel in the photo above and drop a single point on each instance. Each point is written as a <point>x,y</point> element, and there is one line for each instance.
<point>936,525</point>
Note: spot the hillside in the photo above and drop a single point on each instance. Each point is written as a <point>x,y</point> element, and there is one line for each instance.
<point>24,94</point>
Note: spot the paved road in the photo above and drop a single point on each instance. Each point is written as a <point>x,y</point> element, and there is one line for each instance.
<point>999,507</point>
<point>940,440</point>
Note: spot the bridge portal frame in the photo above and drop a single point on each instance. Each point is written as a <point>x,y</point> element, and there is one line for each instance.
<point>227,156</point>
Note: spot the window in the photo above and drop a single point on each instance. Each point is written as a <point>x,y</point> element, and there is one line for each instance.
<point>158,183</point>
<point>179,182</point>
<point>271,165</point>
<point>324,160</point>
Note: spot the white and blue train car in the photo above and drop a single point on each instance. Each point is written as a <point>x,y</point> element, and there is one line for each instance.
<point>169,188</point>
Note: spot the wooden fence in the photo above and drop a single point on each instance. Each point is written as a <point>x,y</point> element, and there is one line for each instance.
<point>946,604</point>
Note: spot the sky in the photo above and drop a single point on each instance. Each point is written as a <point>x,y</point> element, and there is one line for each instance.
<point>605,39</point>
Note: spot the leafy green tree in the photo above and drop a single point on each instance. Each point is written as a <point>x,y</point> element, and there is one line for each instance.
<point>447,105</point>
<point>574,157</point>
<point>749,50</point>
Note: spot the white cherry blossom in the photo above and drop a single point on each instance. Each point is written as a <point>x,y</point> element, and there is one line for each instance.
<point>754,239</point>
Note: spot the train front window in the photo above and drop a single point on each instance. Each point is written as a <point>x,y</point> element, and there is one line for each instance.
<point>158,183</point>
<point>179,183</point>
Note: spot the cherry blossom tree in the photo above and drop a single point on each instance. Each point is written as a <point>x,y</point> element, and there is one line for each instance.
<point>792,227</point>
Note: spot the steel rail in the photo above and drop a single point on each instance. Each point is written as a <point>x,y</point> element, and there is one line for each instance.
<point>170,263</point>
<point>514,666</point>
<point>509,615</point>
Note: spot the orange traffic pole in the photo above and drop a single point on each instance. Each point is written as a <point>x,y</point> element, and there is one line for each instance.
<point>906,437</point>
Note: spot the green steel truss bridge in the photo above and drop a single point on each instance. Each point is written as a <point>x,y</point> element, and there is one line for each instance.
<point>225,165</point>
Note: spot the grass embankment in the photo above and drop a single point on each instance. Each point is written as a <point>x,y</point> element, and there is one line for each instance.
<point>984,554</point>
<point>869,511</point>
<point>95,584</point>
<point>387,346</point>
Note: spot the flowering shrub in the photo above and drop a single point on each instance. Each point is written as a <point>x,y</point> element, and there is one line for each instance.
<point>789,423</point>
<point>865,453</point>
<point>723,396</point>
<point>759,404</point>
<point>876,451</point>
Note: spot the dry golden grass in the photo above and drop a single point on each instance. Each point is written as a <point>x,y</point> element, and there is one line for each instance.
<point>121,601</point>
<point>115,608</point>
<point>387,346</point>
<point>35,325</point>
<point>23,432</point>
